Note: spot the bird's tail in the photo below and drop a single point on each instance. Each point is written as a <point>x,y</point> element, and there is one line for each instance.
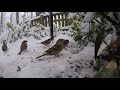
<point>38,43</point>
<point>19,53</point>
<point>40,56</point>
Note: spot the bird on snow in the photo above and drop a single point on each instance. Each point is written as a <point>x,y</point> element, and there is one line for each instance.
<point>4,47</point>
<point>65,42</point>
<point>47,42</point>
<point>55,50</point>
<point>23,46</point>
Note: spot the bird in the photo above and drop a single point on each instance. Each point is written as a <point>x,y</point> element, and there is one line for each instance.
<point>55,50</point>
<point>23,46</point>
<point>4,47</point>
<point>46,42</point>
<point>65,43</point>
<point>60,41</point>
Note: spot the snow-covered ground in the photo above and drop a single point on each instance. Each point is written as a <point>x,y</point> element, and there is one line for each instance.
<point>72,62</point>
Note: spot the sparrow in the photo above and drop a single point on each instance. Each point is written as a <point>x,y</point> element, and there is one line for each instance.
<point>55,50</point>
<point>23,46</point>
<point>65,43</point>
<point>46,42</point>
<point>60,41</point>
<point>4,46</point>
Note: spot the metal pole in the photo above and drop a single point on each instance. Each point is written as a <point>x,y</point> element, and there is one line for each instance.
<point>51,25</point>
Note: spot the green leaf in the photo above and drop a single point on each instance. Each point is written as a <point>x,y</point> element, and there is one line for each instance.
<point>77,38</point>
<point>75,24</point>
<point>103,20</point>
<point>93,27</point>
<point>74,17</point>
<point>78,30</point>
<point>73,28</point>
<point>70,21</point>
<point>99,40</point>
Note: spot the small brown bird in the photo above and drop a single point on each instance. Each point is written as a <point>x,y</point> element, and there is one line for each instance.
<point>4,46</point>
<point>55,50</point>
<point>23,46</point>
<point>46,42</point>
<point>65,43</point>
<point>60,41</point>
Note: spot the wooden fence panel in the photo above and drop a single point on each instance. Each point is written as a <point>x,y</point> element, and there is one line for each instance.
<point>45,18</point>
<point>62,20</point>
<point>59,18</point>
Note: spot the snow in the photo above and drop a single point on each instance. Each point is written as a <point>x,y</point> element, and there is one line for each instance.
<point>85,27</point>
<point>73,62</point>
<point>89,17</point>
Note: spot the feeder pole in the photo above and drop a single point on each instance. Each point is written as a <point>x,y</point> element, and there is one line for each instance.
<point>51,25</point>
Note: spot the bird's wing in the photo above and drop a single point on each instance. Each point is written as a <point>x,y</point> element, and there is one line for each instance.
<point>46,41</point>
<point>55,47</point>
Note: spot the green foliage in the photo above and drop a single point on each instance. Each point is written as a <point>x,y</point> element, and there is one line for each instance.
<point>77,38</point>
<point>101,35</point>
<point>75,25</point>
<point>76,31</point>
<point>93,26</point>
<point>10,25</point>
<point>70,21</point>
<point>99,40</point>
<point>75,18</point>
<point>99,65</point>
<point>73,28</point>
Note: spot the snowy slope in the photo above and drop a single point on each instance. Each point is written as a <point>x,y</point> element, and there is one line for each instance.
<point>72,63</point>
